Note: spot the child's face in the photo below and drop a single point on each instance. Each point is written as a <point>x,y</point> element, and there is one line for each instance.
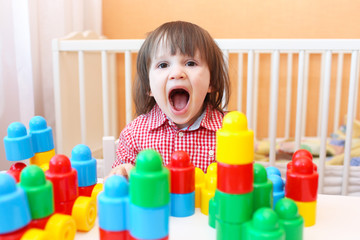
<point>179,84</point>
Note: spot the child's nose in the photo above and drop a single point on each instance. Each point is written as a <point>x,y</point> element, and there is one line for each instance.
<point>177,73</point>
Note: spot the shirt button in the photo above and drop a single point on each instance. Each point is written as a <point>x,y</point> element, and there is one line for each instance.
<point>211,152</point>
<point>181,134</point>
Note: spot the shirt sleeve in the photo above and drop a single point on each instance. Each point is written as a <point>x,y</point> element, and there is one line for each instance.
<point>126,150</point>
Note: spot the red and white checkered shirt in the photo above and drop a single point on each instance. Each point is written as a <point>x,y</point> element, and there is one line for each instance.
<point>155,131</point>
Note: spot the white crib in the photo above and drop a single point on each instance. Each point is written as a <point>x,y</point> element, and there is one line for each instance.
<point>333,179</point>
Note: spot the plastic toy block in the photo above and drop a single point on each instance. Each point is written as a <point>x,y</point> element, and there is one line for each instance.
<point>113,205</point>
<point>65,185</point>
<point>149,197</point>
<point>182,205</point>
<point>263,196</point>
<point>212,212</point>
<point>273,170</point>
<point>301,153</point>
<point>14,208</point>
<point>84,213</point>
<point>234,142</point>
<point>61,227</point>
<point>199,183</point>
<point>42,140</point>
<point>39,192</point>
<point>132,238</point>
<point>301,181</point>
<point>290,219</point>
<point>227,231</point>
<point>149,181</point>
<point>308,211</point>
<point>235,179</point>
<point>35,234</point>
<point>85,165</point>
<point>182,173</point>
<point>278,188</point>
<point>208,190</point>
<point>234,208</point>
<point>96,190</point>
<point>110,235</point>
<point>149,223</point>
<point>15,235</point>
<point>18,143</point>
<point>15,170</point>
<point>264,226</point>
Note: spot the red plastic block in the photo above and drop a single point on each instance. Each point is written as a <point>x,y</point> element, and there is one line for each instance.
<point>39,223</point>
<point>64,180</point>
<point>15,170</point>
<point>16,235</point>
<point>302,181</point>
<point>182,173</point>
<point>301,153</point>
<point>86,191</point>
<point>235,179</point>
<point>110,235</point>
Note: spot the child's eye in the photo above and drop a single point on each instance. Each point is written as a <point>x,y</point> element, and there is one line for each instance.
<point>162,65</point>
<point>191,63</point>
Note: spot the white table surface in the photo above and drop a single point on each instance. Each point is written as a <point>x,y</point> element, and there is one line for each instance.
<point>338,217</point>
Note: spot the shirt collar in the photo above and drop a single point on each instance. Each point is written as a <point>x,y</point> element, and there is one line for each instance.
<point>210,119</point>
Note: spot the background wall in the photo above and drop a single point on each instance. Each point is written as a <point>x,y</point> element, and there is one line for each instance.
<point>244,19</point>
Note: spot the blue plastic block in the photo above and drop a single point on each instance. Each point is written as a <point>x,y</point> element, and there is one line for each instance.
<point>14,207</point>
<point>42,136</point>
<point>278,188</point>
<point>84,164</point>
<point>182,205</point>
<point>273,170</point>
<point>149,223</point>
<point>113,204</point>
<point>18,143</point>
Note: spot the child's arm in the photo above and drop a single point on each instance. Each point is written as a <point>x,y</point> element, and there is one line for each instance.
<point>122,169</point>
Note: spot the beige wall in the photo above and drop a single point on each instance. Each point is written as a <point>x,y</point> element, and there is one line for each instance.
<point>245,19</point>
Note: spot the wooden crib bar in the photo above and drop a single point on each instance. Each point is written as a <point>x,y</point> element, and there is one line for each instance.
<point>252,48</point>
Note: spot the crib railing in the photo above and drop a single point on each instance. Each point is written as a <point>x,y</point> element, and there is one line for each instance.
<point>247,51</point>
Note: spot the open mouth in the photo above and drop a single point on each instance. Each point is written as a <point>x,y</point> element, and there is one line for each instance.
<point>179,98</point>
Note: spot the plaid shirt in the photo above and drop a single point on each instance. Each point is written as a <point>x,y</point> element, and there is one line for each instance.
<point>155,131</point>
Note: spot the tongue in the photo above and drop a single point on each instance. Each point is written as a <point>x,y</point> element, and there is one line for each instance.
<point>179,101</point>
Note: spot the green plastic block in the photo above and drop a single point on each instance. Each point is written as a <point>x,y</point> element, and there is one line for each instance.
<point>212,212</point>
<point>290,219</point>
<point>149,181</point>
<point>264,226</point>
<point>234,208</point>
<point>263,188</point>
<point>39,191</point>
<point>228,231</point>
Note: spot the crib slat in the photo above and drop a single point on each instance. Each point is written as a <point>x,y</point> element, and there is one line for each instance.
<point>299,100</point>
<point>249,89</point>
<point>338,90</point>
<point>321,94</point>
<point>226,59</point>
<point>288,94</point>
<point>82,97</point>
<point>305,94</point>
<point>350,120</point>
<point>57,96</point>
<point>324,118</point>
<point>240,82</point>
<point>128,75</point>
<point>105,92</point>
<point>274,89</point>
<point>255,92</point>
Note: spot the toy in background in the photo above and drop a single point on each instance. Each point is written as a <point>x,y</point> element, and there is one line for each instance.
<point>208,188</point>
<point>302,184</point>
<point>274,176</point>
<point>182,188</point>
<point>15,170</point>
<point>66,193</point>
<point>40,197</point>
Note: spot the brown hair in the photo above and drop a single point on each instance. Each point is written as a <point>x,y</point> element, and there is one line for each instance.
<point>187,38</point>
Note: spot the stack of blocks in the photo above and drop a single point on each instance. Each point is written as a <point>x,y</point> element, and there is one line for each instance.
<point>144,214</point>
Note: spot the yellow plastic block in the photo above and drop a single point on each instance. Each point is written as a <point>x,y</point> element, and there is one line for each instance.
<point>96,190</point>
<point>35,234</point>
<point>308,211</point>
<point>84,213</point>
<point>208,190</point>
<point>234,142</point>
<point>42,157</point>
<point>61,227</point>
<point>199,183</point>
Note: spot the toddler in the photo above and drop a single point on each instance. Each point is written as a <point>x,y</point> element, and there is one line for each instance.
<point>181,81</point>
